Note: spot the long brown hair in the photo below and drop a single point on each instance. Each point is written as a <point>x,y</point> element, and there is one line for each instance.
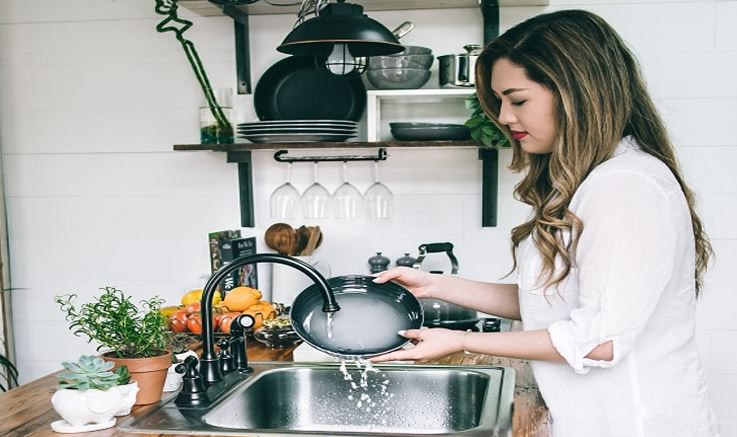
<point>601,97</point>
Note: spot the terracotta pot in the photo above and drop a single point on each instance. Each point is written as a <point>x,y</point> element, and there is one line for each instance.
<point>150,373</point>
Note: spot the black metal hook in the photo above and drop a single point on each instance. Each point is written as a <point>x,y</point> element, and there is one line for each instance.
<point>380,156</point>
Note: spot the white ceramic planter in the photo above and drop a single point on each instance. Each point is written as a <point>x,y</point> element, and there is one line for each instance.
<point>174,379</point>
<point>87,410</point>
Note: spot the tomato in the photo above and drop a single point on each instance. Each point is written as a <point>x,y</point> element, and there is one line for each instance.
<point>193,308</point>
<point>180,315</point>
<point>226,320</point>
<point>194,324</point>
<point>177,325</point>
<point>216,318</point>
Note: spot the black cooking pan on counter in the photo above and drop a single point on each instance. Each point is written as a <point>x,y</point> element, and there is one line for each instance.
<point>295,88</point>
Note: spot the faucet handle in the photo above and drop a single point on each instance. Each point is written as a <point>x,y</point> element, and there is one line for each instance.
<point>188,368</point>
<point>193,391</point>
<point>224,356</point>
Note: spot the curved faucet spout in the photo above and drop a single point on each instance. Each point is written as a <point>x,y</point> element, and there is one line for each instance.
<point>209,366</point>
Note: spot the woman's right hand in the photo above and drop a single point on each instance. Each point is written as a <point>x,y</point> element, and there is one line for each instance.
<point>421,284</point>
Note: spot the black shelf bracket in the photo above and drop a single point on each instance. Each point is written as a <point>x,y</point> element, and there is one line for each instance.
<point>245,185</point>
<point>489,185</point>
<point>490,15</point>
<point>242,49</point>
<point>281,157</point>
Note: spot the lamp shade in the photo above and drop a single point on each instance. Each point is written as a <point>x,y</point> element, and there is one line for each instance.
<point>340,23</point>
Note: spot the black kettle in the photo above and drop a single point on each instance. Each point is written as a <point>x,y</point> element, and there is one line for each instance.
<point>439,313</point>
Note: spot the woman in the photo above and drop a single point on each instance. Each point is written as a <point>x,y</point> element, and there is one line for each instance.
<point>611,260</point>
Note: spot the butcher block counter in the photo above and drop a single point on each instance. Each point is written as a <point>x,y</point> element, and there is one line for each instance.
<point>27,410</point>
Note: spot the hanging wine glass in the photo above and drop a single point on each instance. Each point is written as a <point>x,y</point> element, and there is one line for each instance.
<point>285,200</point>
<point>316,200</point>
<point>378,198</point>
<point>347,199</point>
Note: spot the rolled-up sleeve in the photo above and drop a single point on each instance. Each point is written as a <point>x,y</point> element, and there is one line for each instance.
<point>624,261</point>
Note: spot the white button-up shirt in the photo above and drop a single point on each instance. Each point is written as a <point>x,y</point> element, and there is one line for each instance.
<point>632,284</point>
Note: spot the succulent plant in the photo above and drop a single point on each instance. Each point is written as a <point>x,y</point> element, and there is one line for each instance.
<point>91,372</point>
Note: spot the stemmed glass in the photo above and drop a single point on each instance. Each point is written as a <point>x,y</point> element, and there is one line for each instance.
<point>378,198</point>
<point>316,200</point>
<point>348,200</point>
<point>285,200</point>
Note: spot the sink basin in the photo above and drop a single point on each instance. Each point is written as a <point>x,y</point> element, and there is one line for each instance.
<point>397,400</point>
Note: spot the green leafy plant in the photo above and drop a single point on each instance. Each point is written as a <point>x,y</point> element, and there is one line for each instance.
<point>8,374</point>
<point>178,25</point>
<point>483,129</point>
<point>91,372</point>
<point>115,322</point>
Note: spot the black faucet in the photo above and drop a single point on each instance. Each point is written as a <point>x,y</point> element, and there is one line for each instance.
<point>210,368</point>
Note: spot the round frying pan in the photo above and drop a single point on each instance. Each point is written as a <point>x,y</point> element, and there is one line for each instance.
<point>367,323</point>
<point>294,88</point>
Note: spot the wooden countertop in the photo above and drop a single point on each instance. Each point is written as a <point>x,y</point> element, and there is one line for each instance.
<point>27,410</point>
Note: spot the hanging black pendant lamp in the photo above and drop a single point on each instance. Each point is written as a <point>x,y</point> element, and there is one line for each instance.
<point>341,35</point>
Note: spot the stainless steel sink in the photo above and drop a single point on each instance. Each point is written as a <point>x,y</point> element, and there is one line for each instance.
<point>294,399</point>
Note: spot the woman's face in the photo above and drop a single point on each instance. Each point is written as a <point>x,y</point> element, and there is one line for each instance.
<point>526,107</point>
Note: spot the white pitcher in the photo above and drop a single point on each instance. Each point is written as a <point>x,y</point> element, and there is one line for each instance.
<point>287,282</point>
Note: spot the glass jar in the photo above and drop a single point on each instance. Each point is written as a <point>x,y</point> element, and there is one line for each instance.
<point>210,131</point>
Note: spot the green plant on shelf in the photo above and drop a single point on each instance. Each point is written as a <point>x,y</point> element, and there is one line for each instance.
<point>222,131</point>
<point>482,128</point>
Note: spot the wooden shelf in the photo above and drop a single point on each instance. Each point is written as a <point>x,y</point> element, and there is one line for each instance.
<point>205,8</point>
<point>235,147</point>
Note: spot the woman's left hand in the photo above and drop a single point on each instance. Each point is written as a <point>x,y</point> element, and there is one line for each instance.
<point>430,344</point>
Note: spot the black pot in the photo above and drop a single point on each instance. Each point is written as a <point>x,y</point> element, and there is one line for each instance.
<point>439,313</point>
<point>367,323</point>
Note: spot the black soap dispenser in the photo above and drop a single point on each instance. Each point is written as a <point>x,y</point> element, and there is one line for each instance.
<point>378,263</point>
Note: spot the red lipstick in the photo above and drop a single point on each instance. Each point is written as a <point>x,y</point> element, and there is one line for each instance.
<point>518,135</point>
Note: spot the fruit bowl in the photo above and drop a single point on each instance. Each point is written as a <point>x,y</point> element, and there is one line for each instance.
<point>277,333</point>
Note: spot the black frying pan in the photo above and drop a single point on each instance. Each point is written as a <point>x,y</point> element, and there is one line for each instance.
<point>294,88</point>
<point>368,321</point>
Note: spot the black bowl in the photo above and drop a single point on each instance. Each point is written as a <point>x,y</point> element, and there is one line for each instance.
<point>367,324</point>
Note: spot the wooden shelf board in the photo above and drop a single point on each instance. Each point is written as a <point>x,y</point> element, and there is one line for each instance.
<point>205,8</point>
<point>322,145</point>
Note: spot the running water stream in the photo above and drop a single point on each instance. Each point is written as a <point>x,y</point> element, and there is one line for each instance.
<point>362,390</point>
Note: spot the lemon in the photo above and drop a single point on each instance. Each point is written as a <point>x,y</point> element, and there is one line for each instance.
<point>193,296</point>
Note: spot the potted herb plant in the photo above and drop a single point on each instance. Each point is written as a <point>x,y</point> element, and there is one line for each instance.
<point>127,335</point>
<point>90,394</point>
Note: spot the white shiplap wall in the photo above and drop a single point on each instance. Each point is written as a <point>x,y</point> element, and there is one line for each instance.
<point>92,99</point>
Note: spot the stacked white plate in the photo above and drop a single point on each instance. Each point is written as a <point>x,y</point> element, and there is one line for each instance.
<point>297,131</point>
